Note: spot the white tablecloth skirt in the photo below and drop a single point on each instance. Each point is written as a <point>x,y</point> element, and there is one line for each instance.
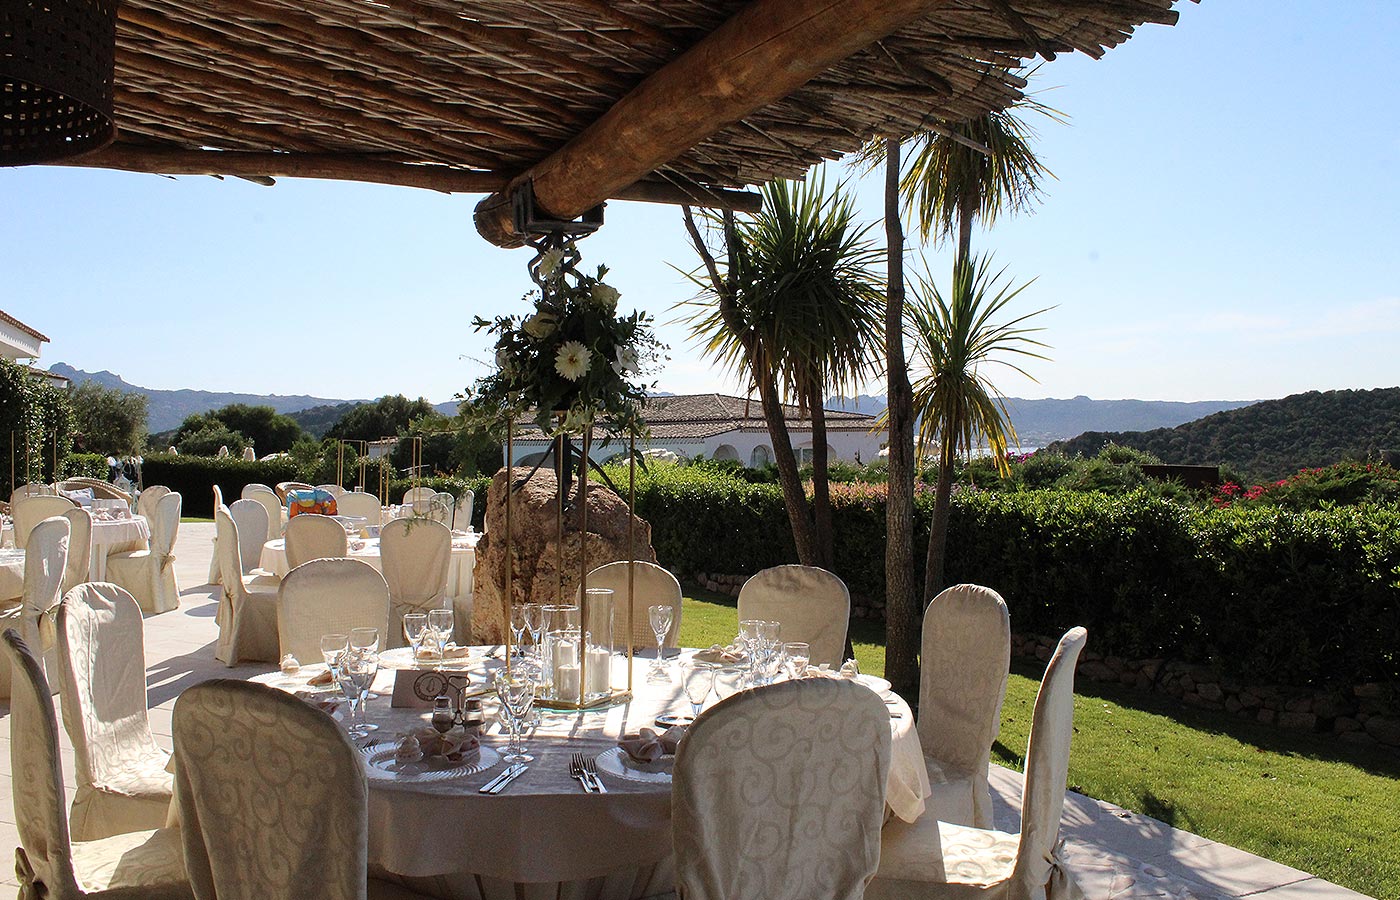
<point>11,575</point>
<point>116,536</point>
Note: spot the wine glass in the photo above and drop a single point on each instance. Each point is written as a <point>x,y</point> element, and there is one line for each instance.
<point>362,640</point>
<point>518,627</point>
<point>516,692</point>
<point>729,680</point>
<point>356,673</point>
<point>333,647</point>
<point>415,630</point>
<point>534,623</point>
<point>799,656</point>
<point>661,617</point>
<point>748,634</point>
<point>698,680</point>
<point>440,624</point>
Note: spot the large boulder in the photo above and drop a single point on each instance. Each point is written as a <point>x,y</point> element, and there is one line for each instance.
<point>536,545</point>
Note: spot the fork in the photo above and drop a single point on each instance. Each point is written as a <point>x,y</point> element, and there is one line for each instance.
<point>576,771</point>
<point>590,768</point>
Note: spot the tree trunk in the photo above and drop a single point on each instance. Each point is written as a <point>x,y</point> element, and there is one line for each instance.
<point>938,528</point>
<point>901,606</point>
<point>823,532</point>
<point>967,211</point>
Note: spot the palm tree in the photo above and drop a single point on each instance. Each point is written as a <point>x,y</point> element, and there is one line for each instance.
<point>955,339</point>
<point>797,310</point>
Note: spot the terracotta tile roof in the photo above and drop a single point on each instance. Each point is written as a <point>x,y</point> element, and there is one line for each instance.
<point>700,416</point>
<point>11,320</point>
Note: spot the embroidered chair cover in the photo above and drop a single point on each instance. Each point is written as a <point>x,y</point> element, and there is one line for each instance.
<point>360,503</point>
<point>779,793</point>
<point>414,557</point>
<point>328,595</point>
<point>44,563</point>
<point>79,548</point>
<point>314,537</point>
<point>146,500</point>
<point>412,495</point>
<point>963,670</point>
<point>652,586</point>
<point>933,859</point>
<point>334,490</point>
<point>150,574</point>
<point>282,813</point>
<point>33,489</point>
<point>247,616</point>
<point>142,864</point>
<point>268,498</point>
<point>251,519</point>
<point>432,509</point>
<point>121,774</point>
<point>812,604</point>
<point>462,512</point>
<point>30,511</point>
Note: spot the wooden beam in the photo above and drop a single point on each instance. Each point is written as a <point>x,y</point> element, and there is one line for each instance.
<point>372,170</point>
<point>763,53</point>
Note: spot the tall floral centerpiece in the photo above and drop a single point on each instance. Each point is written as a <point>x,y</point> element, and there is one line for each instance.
<point>573,362</point>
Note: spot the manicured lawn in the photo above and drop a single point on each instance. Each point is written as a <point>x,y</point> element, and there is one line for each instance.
<point>1319,805</point>
<point>187,519</point>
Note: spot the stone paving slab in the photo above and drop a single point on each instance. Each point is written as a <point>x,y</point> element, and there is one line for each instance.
<point>1116,854</point>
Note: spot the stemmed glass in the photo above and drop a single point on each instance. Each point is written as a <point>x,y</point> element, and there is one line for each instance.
<point>799,657</point>
<point>698,680</point>
<point>516,692</point>
<point>333,647</point>
<point>355,674</point>
<point>518,627</point>
<point>661,617</point>
<point>440,624</point>
<point>534,623</point>
<point>415,630</point>
<point>365,640</point>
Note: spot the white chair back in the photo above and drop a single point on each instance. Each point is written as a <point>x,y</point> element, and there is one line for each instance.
<point>360,503</point>
<point>415,556</point>
<point>432,509</point>
<point>651,586</point>
<point>311,536</point>
<point>812,604</point>
<point>100,634</point>
<point>75,572</point>
<point>247,620</point>
<point>964,665</point>
<point>462,512</point>
<point>37,774</point>
<point>1047,768</point>
<point>325,596</point>
<point>801,818</point>
<point>45,561</point>
<point>277,813</point>
<point>412,495</point>
<point>334,490</point>
<point>268,498</point>
<point>165,525</point>
<point>33,489</point>
<point>146,500</point>
<point>251,518</point>
<point>30,511</point>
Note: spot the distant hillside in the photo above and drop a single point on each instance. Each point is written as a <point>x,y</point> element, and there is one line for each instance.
<point>1040,422</point>
<point>1272,438</point>
<point>317,420</point>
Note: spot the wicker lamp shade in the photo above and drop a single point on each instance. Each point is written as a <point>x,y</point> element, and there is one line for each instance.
<point>56,68</point>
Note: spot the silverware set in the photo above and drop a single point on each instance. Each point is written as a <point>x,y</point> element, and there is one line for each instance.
<point>499,783</point>
<point>585,771</point>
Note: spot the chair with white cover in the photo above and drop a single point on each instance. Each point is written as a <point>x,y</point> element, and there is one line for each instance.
<point>121,774</point>
<point>76,571</point>
<point>759,813</point>
<point>150,574</point>
<point>45,561</point>
<point>651,586</point>
<point>360,503</point>
<point>215,574</point>
<point>933,859</point>
<point>412,495</point>
<point>282,813</point>
<point>251,519</point>
<point>325,596</point>
<point>462,512</point>
<point>432,509</point>
<point>414,557</point>
<point>311,536</point>
<point>812,604</point>
<point>334,490</point>
<point>448,501</point>
<point>139,865</point>
<point>247,615</point>
<point>146,500</point>
<point>268,498</point>
<point>33,489</point>
<point>30,511</point>
<point>964,664</point>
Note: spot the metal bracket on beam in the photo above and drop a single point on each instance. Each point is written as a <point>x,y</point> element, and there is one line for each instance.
<point>530,221</point>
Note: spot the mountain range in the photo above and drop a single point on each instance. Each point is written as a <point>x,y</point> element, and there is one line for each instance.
<point>1038,422</point>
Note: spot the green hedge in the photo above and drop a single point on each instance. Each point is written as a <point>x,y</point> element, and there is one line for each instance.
<point>1262,594</point>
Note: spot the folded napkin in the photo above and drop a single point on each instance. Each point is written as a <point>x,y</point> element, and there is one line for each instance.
<point>720,655</point>
<point>321,679</point>
<point>647,746</point>
<point>454,746</point>
<point>451,651</point>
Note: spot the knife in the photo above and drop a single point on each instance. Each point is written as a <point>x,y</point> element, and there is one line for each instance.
<point>515,772</point>
<point>486,788</point>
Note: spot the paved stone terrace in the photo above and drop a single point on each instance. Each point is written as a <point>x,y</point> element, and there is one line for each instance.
<point>1115,854</point>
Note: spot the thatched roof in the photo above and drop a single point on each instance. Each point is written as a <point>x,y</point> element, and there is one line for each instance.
<point>489,88</point>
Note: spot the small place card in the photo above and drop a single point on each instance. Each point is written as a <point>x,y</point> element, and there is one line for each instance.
<point>418,688</point>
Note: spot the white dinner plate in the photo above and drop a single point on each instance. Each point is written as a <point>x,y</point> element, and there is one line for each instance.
<point>617,763</point>
<point>380,765</point>
<point>875,683</point>
<point>402,658</point>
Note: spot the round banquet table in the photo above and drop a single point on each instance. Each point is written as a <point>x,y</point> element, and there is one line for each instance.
<point>115,536</point>
<point>459,571</point>
<point>543,836</point>
<point>11,575</point>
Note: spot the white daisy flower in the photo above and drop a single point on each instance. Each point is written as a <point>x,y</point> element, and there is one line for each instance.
<point>572,360</point>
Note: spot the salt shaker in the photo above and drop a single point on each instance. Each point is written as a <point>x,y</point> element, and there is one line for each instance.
<point>472,716</point>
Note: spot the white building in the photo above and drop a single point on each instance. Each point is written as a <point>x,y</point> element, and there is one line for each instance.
<point>719,426</point>
<point>20,342</point>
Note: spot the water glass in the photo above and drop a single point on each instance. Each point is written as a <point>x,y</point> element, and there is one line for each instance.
<point>362,640</point>
<point>534,623</point>
<point>415,630</point>
<point>729,680</point>
<point>333,647</point>
<point>699,680</point>
<point>440,624</point>
<point>356,673</point>
<point>661,617</point>
<point>799,656</point>
<point>516,692</point>
<point>518,627</point>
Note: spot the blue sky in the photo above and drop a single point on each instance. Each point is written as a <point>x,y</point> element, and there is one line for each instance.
<point>1223,226</point>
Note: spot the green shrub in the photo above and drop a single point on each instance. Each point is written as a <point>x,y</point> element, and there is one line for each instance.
<point>86,465</point>
<point>194,476</point>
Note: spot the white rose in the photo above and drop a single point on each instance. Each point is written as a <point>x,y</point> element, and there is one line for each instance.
<point>551,261</point>
<point>540,325</point>
<point>605,296</point>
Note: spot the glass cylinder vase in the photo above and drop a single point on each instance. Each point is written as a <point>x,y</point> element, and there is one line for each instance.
<point>597,621</point>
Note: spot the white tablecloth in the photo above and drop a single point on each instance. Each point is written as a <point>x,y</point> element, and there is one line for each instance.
<point>11,575</point>
<point>116,536</point>
<point>544,830</point>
